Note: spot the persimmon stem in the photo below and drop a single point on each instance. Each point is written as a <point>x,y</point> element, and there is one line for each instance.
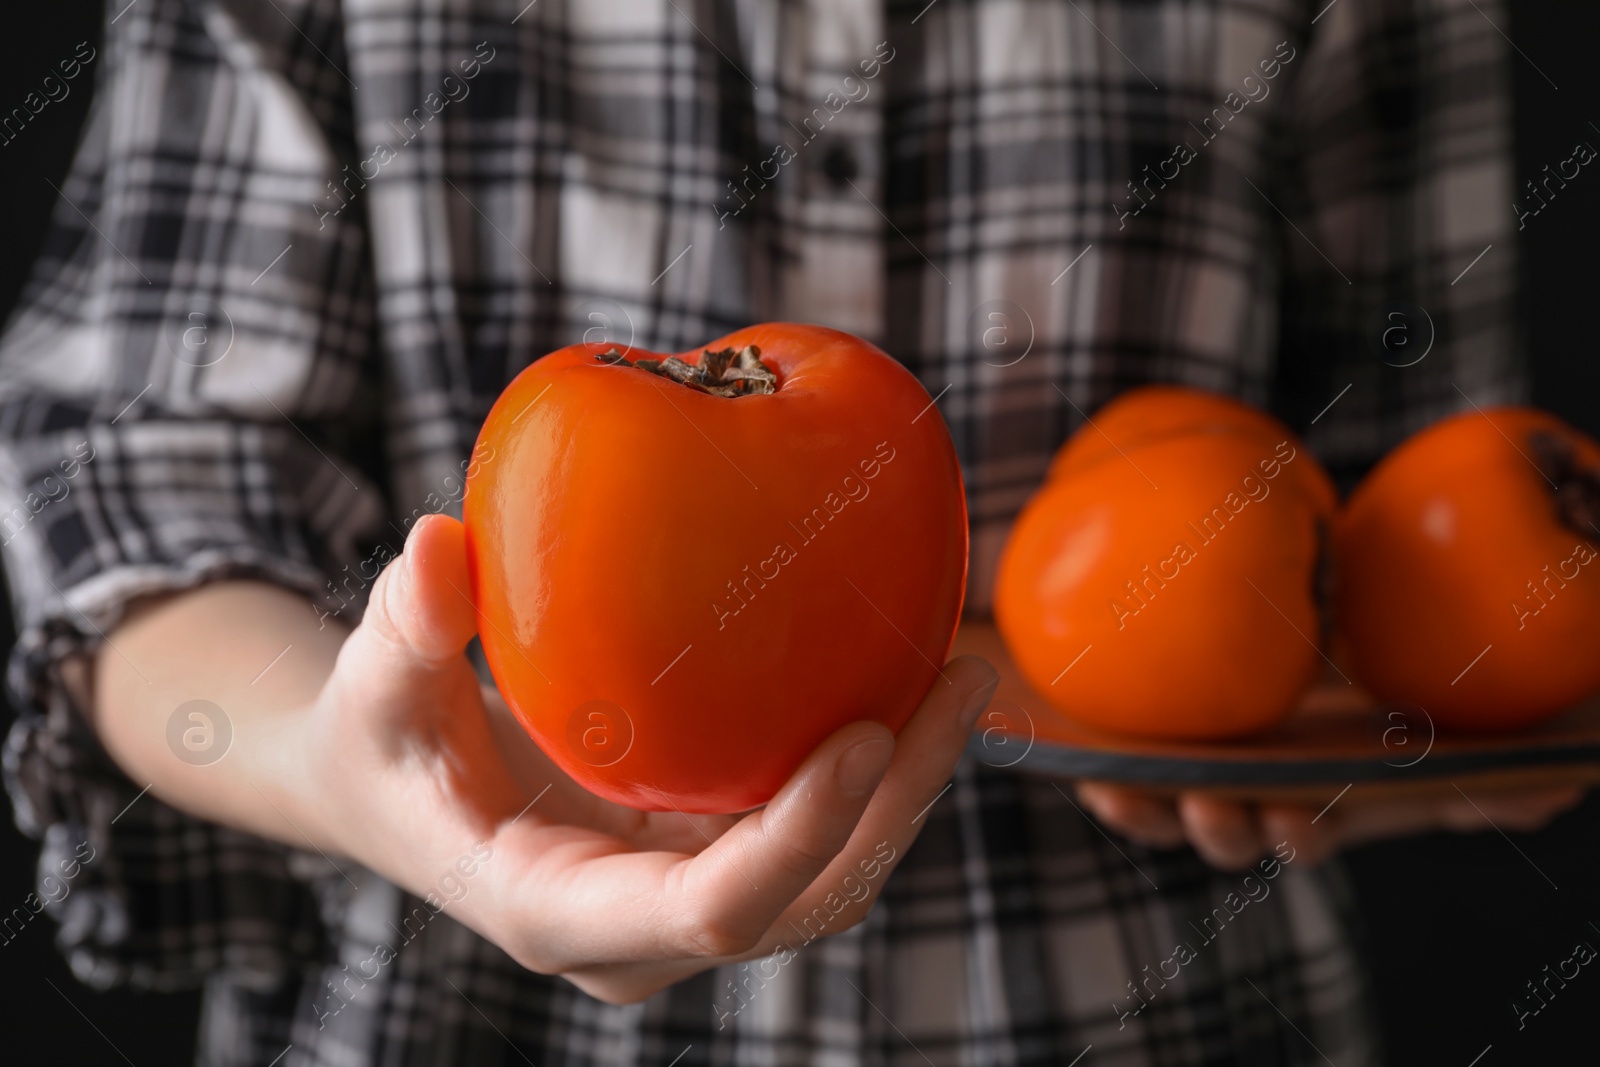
<point>721,372</point>
<point>1576,489</point>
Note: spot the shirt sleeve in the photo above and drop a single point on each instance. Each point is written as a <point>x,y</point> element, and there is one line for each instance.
<point>178,393</point>
<point>1395,202</point>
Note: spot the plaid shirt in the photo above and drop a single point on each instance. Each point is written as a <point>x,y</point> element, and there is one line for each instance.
<point>305,244</point>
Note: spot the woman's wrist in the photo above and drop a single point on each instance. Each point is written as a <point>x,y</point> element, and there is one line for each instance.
<point>205,696</point>
<point>294,774</point>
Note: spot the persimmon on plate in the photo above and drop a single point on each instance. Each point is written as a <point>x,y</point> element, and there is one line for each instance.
<point>1163,581</point>
<point>1156,412</point>
<point>1467,573</point>
<point>1337,736</point>
<point>690,570</point>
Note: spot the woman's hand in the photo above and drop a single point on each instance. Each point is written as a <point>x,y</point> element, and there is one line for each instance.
<point>402,761</point>
<point>1232,835</point>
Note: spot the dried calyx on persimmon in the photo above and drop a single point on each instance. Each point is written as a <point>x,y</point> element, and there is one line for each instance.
<point>721,371</point>
<point>1576,487</point>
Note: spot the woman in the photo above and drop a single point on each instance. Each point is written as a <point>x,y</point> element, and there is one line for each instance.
<point>304,246</point>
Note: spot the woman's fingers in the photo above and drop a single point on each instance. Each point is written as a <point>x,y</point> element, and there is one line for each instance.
<point>622,924</point>
<point>1140,816</point>
<point>733,890</point>
<point>878,796</point>
<point>1314,835</point>
<point>420,604</point>
<point>1232,835</point>
<point>926,753</point>
<point>1521,810</point>
<point>929,746</point>
<point>406,658</point>
<point>1224,832</point>
<point>599,902</point>
<point>1358,821</point>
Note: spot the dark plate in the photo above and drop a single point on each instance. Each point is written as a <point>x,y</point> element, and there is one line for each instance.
<point>1337,737</point>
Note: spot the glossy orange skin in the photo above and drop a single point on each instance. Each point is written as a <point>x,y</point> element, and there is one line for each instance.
<point>1434,551</point>
<point>1205,656</point>
<point>1152,412</point>
<point>617,509</point>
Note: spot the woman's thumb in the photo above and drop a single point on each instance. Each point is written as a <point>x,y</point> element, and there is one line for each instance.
<point>422,600</point>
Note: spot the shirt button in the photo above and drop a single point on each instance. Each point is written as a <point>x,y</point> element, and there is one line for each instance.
<point>839,164</point>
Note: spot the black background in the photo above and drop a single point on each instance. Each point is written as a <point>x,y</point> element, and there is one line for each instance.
<point>1456,924</point>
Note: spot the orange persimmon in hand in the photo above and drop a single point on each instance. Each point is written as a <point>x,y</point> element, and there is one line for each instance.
<point>690,570</point>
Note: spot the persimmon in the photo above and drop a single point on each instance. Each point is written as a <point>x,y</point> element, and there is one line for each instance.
<point>1151,412</point>
<point>690,570</point>
<point>1169,594</point>
<point>1465,580</point>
